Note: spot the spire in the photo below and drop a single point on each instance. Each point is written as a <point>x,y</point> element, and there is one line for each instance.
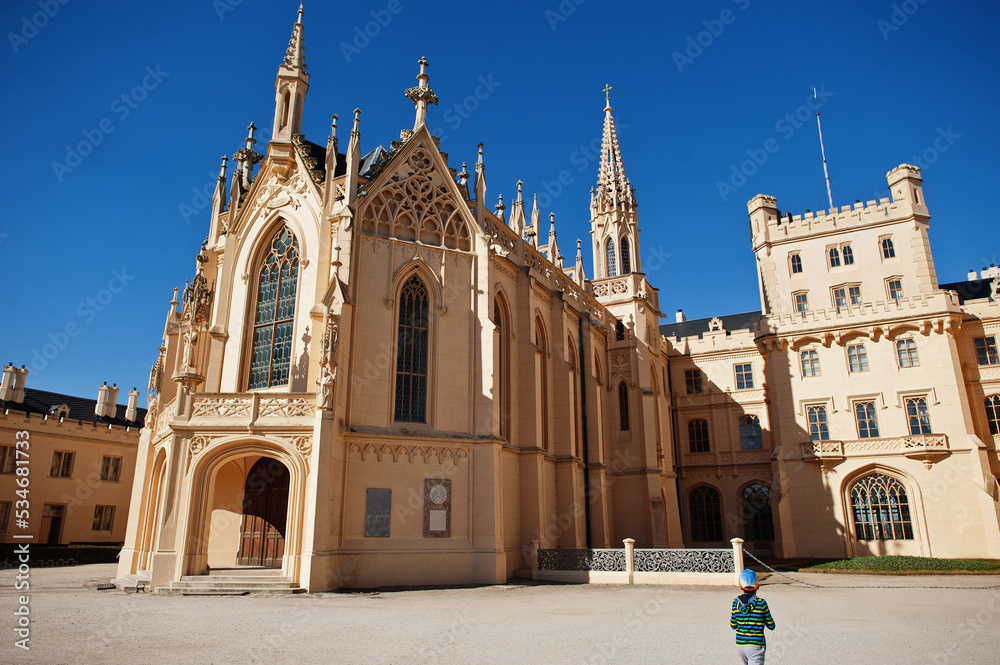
<point>578,272</point>
<point>480,189</point>
<point>353,160</point>
<point>533,229</point>
<point>291,86</point>
<point>247,158</point>
<point>330,189</point>
<point>614,191</point>
<point>553,246</point>
<point>500,207</point>
<point>422,95</point>
<point>517,213</point>
<point>295,55</point>
<point>219,201</point>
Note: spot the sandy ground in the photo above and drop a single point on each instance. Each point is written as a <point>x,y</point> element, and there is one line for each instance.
<point>916,619</point>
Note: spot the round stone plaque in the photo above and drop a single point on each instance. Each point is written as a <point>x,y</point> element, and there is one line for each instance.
<point>438,493</point>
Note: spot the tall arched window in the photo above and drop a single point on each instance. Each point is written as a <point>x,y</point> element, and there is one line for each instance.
<point>623,423</point>
<point>274,312</point>
<point>612,263</point>
<point>758,523</point>
<point>750,437</point>
<point>574,389</point>
<point>698,436</point>
<point>992,404</point>
<point>543,398</point>
<point>626,257</point>
<point>502,322</point>
<point>705,509</point>
<point>411,353</point>
<point>881,509</point>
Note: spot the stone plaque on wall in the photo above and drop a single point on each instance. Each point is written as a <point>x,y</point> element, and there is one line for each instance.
<point>377,512</point>
<point>437,508</point>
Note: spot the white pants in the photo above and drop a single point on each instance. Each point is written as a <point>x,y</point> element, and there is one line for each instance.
<point>751,655</point>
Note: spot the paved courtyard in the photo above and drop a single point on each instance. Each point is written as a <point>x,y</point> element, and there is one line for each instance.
<point>916,620</point>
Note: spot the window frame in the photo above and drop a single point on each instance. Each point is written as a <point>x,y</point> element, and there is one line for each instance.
<point>693,382</point>
<point>109,468</point>
<point>795,263</point>
<point>709,501</point>
<point>992,405</point>
<point>847,254</point>
<point>819,430</point>
<point>8,455</point>
<point>66,458</point>
<point>861,356</point>
<point>870,519</point>
<point>833,256</point>
<point>801,300</point>
<point>815,368</point>
<point>744,376</point>
<point>624,422</point>
<point>986,350</point>
<point>750,432</point>
<point>703,441</point>
<point>887,249</point>
<point>103,515</point>
<point>870,418</point>
<point>398,415</point>
<point>907,351</point>
<point>894,294</point>
<point>917,422</point>
<point>264,252</point>
<point>759,516</point>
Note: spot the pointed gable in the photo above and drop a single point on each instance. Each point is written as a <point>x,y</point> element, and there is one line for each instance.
<point>415,199</point>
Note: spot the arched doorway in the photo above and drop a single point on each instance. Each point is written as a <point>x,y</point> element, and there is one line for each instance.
<point>265,514</point>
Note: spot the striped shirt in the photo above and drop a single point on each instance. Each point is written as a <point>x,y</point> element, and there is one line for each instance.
<point>750,616</point>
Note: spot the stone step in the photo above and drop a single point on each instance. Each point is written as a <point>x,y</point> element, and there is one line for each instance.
<point>244,571</point>
<point>234,578</point>
<point>199,584</point>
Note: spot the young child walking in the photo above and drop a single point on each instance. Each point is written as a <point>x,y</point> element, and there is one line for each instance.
<point>749,617</point>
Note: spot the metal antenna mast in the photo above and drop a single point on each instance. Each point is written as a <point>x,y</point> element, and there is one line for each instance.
<point>826,171</point>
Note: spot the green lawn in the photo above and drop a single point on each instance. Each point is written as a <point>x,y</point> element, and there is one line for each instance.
<point>906,565</point>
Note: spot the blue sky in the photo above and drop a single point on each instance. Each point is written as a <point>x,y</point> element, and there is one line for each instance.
<point>118,117</point>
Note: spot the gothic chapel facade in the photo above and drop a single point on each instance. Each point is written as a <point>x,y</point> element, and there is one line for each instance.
<point>373,379</point>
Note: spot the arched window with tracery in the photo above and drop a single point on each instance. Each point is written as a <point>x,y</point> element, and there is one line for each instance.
<point>502,322</point>
<point>705,511</point>
<point>881,509</point>
<point>612,262</point>
<point>758,522</point>
<point>411,352</point>
<point>626,256</point>
<point>543,399</point>
<point>274,312</point>
<point>698,435</point>
<point>750,436</point>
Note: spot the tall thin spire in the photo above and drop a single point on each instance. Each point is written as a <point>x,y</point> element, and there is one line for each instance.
<point>614,191</point>
<point>295,56</point>
<point>422,95</point>
<point>517,214</point>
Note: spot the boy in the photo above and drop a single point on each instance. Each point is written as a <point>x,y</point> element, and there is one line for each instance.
<point>750,615</point>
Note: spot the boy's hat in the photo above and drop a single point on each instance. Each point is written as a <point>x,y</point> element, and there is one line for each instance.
<point>748,580</point>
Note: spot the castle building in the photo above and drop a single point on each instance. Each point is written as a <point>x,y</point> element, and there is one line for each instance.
<point>373,378</point>
<point>66,463</point>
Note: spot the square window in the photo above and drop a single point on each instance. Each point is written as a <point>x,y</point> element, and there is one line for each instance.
<point>917,415</point>
<point>692,380</point>
<point>698,436</point>
<point>857,358</point>
<point>986,350</point>
<point>796,263</point>
<point>7,457</point>
<point>802,303</point>
<point>4,517</point>
<point>888,251</point>
<point>62,465</point>
<point>848,254</point>
<point>744,376</point>
<point>866,418</point>
<point>906,352</point>
<point>854,292</point>
<point>809,360</point>
<point>104,518</point>
<point>111,468</point>
<point>840,298</point>
<point>834,257</point>
<point>819,429</point>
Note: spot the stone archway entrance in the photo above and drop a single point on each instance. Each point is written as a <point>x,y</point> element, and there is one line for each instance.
<point>265,514</point>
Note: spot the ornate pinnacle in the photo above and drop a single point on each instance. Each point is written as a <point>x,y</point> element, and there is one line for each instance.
<point>421,95</point>
<point>295,55</point>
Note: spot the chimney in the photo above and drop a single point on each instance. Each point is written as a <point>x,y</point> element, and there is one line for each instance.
<point>102,400</point>
<point>20,378</point>
<point>680,316</point>
<point>130,410</point>
<point>7,383</point>
<point>111,410</point>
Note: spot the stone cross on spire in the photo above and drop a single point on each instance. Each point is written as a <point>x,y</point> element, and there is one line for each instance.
<point>422,95</point>
<point>614,191</point>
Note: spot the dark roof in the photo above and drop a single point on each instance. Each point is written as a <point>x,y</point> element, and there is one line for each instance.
<point>973,289</point>
<point>314,156</point>
<point>41,402</point>
<point>730,322</point>
<point>372,159</point>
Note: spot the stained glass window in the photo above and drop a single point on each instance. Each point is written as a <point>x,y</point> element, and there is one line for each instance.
<point>271,355</point>
<point>411,353</point>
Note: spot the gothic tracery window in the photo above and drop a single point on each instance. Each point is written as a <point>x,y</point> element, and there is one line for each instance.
<point>411,353</point>
<point>705,511</point>
<point>626,257</point>
<point>274,312</point>
<point>612,263</point>
<point>623,420</point>
<point>881,509</point>
<point>758,522</point>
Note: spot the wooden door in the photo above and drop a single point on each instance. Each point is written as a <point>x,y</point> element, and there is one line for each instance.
<point>265,513</point>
